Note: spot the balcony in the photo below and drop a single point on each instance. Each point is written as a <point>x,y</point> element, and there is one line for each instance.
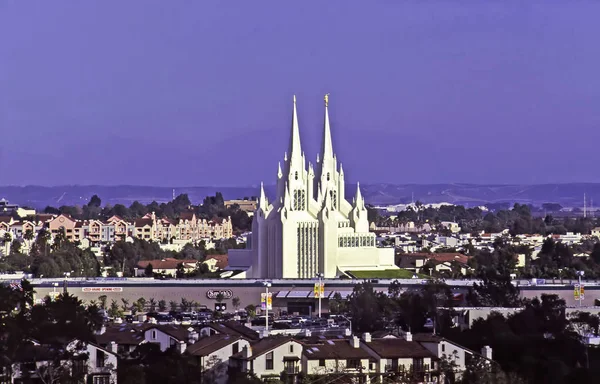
<point>404,369</point>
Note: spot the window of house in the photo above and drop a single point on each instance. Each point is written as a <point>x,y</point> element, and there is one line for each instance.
<point>418,365</point>
<point>443,347</point>
<point>28,367</point>
<point>100,358</point>
<point>171,342</point>
<point>321,362</point>
<point>269,364</point>
<point>291,348</point>
<point>235,348</point>
<point>352,363</point>
<point>101,380</point>
<point>372,364</point>
<point>153,335</point>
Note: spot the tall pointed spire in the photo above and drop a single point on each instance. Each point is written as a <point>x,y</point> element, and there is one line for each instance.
<point>262,202</point>
<point>327,145</point>
<point>358,200</point>
<point>295,149</point>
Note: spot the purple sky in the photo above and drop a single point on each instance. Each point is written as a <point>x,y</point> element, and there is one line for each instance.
<point>193,93</point>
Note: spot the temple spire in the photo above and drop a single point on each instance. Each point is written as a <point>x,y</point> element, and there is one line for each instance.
<point>327,146</point>
<point>295,149</point>
<point>262,202</point>
<point>358,200</point>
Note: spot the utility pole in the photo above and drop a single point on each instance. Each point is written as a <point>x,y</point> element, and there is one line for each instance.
<point>584,206</point>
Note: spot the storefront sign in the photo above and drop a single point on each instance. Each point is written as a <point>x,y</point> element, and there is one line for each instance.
<point>102,289</point>
<point>212,293</point>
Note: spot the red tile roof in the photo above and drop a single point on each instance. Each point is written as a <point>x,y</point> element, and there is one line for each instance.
<point>440,257</point>
<point>186,215</point>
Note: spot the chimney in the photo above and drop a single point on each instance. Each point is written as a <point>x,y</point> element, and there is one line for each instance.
<point>112,346</point>
<point>247,352</point>
<point>486,352</point>
<point>182,347</point>
<point>366,337</point>
<point>355,342</point>
<point>193,337</point>
<point>407,336</point>
<point>347,332</point>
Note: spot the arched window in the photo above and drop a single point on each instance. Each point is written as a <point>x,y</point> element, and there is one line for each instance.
<point>296,175</point>
<point>327,176</point>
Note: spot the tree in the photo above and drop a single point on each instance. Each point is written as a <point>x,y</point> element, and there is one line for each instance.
<point>140,305</point>
<point>15,247</point>
<point>149,270</point>
<point>125,306</point>
<point>173,305</point>
<point>337,305</point>
<point>235,302</point>
<point>103,299</point>
<point>185,305</point>
<point>496,288</point>
<point>180,272</point>
<point>162,305</point>
<point>251,310</point>
<point>367,308</point>
<point>95,201</point>
<point>114,311</point>
<point>152,304</point>
<point>482,371</point>
<point>7,238</point>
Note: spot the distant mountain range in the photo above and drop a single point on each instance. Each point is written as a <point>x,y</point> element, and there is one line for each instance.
<point>568,195</point>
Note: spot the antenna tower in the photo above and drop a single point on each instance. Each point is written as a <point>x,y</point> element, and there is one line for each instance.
<point>584,207</point>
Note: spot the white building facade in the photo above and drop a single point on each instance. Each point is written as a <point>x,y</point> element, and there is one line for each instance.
<point>310,227</point>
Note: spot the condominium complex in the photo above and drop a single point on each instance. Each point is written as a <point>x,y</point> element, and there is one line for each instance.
<point>150,228</point>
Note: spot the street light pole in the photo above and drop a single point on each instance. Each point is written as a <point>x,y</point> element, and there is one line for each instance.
<point>579,274</point>
<point>67,274</point>
<point>320,276</point>
<point>267,285</point>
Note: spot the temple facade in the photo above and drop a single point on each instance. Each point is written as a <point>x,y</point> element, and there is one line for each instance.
<point>310,228</point>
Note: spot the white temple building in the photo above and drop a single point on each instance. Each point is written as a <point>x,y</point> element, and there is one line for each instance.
<point>310,227</point>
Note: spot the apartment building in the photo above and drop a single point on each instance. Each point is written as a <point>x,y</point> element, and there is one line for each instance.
<point>150,228</point>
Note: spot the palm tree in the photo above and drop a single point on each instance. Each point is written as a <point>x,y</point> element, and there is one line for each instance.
<point>152,303</point>
<point>125,305</point>
<point>236,303</point>
<point>28,235</point>
<point>7,238</point>
<point>103,299</point>
<point>162,305</point>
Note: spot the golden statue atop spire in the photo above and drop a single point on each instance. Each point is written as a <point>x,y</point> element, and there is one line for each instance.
<point>294,99</point>
<point>326,98</point>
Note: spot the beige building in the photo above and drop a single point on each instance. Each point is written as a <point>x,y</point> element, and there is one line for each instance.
<point>248,206</point>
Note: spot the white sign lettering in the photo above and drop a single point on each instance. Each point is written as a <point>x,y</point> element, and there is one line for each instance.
<point>102,289</point>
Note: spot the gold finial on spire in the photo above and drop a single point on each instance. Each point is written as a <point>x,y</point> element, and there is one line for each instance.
<point>294,99</point>
<point>326,99</point>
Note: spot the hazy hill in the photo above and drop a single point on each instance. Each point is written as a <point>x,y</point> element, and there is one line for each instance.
<point>467,194</point>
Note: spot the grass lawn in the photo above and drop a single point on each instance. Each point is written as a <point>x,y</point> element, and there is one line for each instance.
<point>385,274</point>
